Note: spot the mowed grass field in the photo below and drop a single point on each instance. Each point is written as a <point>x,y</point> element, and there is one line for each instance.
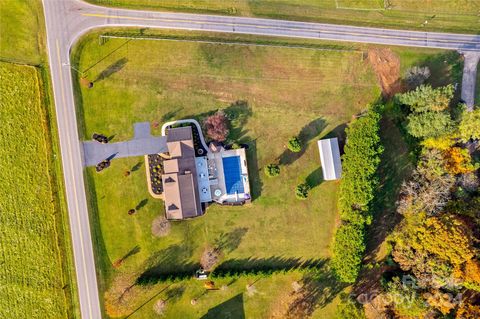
<point>271,94</point>
<point>31,272</point>
<point>22,31</point>
<point>442,15</point>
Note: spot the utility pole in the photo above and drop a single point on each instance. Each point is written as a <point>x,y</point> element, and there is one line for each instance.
<point>83,79</point>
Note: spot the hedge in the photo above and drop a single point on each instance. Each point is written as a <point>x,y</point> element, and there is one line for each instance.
<point>359,182</point>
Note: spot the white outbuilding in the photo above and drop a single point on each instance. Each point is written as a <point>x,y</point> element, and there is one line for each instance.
<point>330,158</point>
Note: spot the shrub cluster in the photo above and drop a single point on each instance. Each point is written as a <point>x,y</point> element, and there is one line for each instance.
<point>272,170</point>
<point>294,145</point>
<point>301,191</point>
<point>359,181</point>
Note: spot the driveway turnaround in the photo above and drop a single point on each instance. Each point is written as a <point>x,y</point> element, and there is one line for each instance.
<point>142,144</point>
<point>66,20</point>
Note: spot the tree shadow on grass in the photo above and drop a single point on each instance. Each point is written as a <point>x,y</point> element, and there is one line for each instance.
<point>137,166</point>
<point>228,242</point>
<point>315,178</point>
<point>232,308</point>
<point>169,116</point>
<point>111,69</point>
<point>319,289</point>
<point>141,204</point>
<point>270,263</point>
<point>238,114</point>
<point>308,132</point>
<point>173,260</point>
<point>174,293</point>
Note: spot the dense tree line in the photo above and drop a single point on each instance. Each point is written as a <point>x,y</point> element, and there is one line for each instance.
<point>436,243</point>
<point>359,181</point>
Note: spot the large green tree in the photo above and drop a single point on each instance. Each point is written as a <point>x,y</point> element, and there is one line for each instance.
<point>425,98</point>
<point>470,125</point>
<point>429,124</point>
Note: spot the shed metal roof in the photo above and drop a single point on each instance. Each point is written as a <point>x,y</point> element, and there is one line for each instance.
<point>330,159</point>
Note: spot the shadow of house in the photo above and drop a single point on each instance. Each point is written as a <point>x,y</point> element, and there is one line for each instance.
<point>308,132</point>
<point>230,309</point>
<point>256,184</point>
<point>111,69</point>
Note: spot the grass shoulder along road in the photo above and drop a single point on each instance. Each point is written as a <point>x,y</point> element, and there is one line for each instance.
<point>23,31</point>
<point>34,283</point>
<point>460,16</point>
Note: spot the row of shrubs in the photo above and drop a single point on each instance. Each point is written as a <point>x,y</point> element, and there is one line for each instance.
<point>226,273</point>
<point>359,181</point>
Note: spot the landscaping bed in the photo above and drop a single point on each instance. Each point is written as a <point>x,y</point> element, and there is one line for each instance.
<point>155,170</point>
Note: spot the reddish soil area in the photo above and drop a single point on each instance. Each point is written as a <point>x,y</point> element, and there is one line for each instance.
<point>387,68</point>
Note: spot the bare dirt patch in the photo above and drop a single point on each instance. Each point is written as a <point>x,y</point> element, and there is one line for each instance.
<point>386,65</point>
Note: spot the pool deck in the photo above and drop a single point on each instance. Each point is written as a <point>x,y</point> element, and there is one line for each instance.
<point>217,181</point>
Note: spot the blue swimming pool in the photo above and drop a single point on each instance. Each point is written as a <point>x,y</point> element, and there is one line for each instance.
<point>232,171</point>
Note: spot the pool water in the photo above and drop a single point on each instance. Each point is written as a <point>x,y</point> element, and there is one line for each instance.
<point>232,171</point>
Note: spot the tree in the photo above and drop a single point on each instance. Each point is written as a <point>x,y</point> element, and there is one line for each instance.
<point>468,311</point>
<point>216,126</point>
<point>349,308</point>
<point>160,226</point>
<point>272,170</point>
<point>159,307</point>
<point>210,257</point>
<point>348,249</point>
<point>432,248</point>
<point>86,83</point>
<point>294,144</point>
<point>429,189</point>
<point>417,75</point>
<point>426,99</point>
<point>458,161</point>
<point>301,191</point>
<point>469,127</point>
<point>360,163</point>
<point>429,124</point>
<point>407,303</point>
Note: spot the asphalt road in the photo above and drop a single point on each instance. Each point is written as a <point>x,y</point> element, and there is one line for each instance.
<point>66,20</point>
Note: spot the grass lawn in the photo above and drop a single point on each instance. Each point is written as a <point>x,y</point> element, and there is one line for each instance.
<point>442,15</point>
<point>284,92</point>
<point>271,94</point>
<point>23,31</point>
<point>31,259</point>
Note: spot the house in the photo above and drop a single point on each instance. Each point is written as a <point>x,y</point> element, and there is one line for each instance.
<point>192,179</point>
<point>330,159</point>
<point>180,184</point>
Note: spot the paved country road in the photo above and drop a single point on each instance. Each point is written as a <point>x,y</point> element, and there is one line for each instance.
<point>66,20</point>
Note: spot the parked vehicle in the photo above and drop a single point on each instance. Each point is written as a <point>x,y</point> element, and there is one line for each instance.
<point>100,138</point>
